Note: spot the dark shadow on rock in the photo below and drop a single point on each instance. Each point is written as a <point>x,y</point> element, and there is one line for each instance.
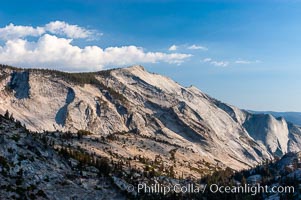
<point>121,109</point>
<point>98,110</point>
<point>61,115</point>
<point>19,82</point>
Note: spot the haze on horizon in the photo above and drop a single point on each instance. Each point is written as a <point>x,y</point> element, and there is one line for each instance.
<point>243,53</point>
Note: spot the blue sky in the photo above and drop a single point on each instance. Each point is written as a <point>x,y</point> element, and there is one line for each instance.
<point>246,53</point>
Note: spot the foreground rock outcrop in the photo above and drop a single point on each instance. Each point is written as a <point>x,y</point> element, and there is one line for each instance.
<point>31,169</point>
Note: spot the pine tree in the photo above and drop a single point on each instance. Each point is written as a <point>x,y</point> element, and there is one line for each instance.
<point>243,181</point>
<point>11,118</point>
<point>6,115</point>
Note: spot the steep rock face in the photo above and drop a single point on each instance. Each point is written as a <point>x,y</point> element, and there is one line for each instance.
<point>188,116</point>
<point>294,143</point>
<point>55,104</point>
<point>271,132</point>
<point>132,99</point>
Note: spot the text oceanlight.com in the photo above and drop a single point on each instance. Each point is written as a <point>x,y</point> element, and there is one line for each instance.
<point>213,188</point>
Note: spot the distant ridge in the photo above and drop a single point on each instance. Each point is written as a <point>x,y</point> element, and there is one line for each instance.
<point>293,117</point>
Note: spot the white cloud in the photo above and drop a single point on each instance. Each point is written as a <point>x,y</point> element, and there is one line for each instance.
<point>51,46</point>
<point>220,63</point>
<point>207,59</point>
<point>51,51</point>
<point>70,31</point>
<point>173,48</point>
<point>197,47</point>
<point>246,62</point>
<point>191,47</point>
<point>61,28</point>
<point>11,31</point>
<point>242,62</point>
<point>216,63</point>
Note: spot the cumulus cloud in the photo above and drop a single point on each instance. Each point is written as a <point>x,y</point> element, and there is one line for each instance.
<point>51,51</point>
<point>70,31</point>
<point>197,47</point>
<point>61,28</point>
<point>216,63</point>
<point>11,31</point>
<point>50,46</point>
<point>173,48</point>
